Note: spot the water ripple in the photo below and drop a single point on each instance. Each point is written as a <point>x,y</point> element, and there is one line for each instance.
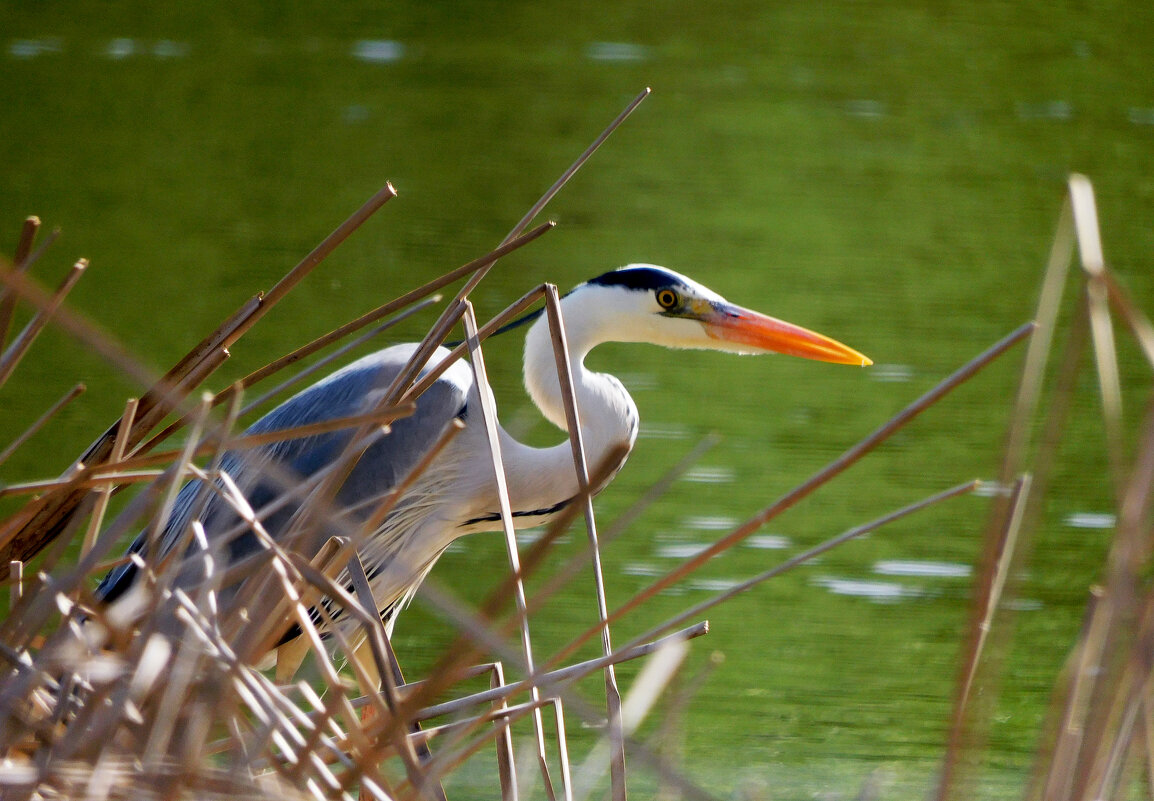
<point>24,49</point>
<point>663,431</point>
<point>992,489</point>
<point>616,51</point>
<point>167,48</point>
<point>710,523</point>
<point>926,569</point>
<point>120,48</point>
<point>1089,520</point>
<point>1049,110</point>
<point>710,475</point>
<point>712,585</point>
<point>891,373</point>
<point>378,51</point>
<point>1140,116</point>
<point>876,591</point>
<point>867,109</point>
<point>769,542</point>
<point>681,550</point>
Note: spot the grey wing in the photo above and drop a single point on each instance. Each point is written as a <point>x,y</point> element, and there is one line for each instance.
<point>262,472</point>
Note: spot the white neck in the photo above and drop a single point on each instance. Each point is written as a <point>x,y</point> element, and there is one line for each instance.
<point>540,478</point>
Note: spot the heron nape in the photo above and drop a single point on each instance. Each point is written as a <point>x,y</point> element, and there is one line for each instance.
<point>457,494</point>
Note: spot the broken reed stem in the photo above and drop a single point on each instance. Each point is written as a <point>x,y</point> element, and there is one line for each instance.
<point>489,421</point>
<point>28,233</point>
<point>378,640</point>
<point>592,666</point>
<point>20,263</point>
<point>367,751</point>
<point>1053,771</point>
<point>1038,351</point>
<point>52,411</point>
<point>1105,353</point>
<point>1138,323</point>
<point>1109,382</point>
<point>1126,617</point>
<point>15,582</point>
<point>75,325</point>
<point>37,254</point>
<point>506,756</point>
<point>987,595</point>
<point>573,422</point>
<point>464,743</point>
<point>327,562</point>
<point>274,712</point>
<point>15,352</point>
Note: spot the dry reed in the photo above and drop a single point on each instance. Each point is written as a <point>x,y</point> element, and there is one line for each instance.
<point>100,705</point>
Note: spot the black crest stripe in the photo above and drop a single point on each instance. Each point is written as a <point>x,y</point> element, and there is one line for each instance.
<point>640,278</point>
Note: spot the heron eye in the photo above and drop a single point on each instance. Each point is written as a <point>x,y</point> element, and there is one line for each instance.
<point>666,298</point>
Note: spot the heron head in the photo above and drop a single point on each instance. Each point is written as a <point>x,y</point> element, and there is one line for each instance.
<point>647,303</point>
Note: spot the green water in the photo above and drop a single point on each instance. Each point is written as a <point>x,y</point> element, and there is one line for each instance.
<point>887,174</point>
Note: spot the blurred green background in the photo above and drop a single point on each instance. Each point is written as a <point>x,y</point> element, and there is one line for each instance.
<point>887,173</point>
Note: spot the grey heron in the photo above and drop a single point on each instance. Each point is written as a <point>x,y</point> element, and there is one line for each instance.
<point>456,495</point>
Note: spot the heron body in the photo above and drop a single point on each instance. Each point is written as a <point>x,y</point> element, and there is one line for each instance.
<point>456,494</point>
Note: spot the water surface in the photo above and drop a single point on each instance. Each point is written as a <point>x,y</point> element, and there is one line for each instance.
<point>888,175</point>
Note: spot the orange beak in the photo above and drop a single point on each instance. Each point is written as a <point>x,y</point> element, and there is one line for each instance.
<point>743,327</point>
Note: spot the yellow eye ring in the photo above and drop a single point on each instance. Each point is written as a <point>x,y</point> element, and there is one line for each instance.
<point>666,298</point>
